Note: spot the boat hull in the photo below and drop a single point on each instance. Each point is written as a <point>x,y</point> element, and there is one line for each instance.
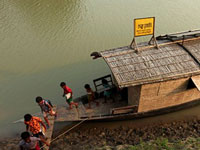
<point>132,116</point>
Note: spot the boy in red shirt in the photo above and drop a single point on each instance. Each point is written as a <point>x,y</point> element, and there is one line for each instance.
<point>68,95</point>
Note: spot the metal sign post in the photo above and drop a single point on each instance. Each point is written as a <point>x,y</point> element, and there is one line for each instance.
<point>153,41</point>
<point>134,44</point>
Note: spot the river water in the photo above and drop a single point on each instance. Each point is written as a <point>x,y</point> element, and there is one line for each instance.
<point>44,42</point>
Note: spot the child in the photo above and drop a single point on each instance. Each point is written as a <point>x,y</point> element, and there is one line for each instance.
<point>30,143</point>
<point>90,95</point>
<point>107,92</point>
<point>46,108</point>
<point>68,95</point>
<point>33,124</point>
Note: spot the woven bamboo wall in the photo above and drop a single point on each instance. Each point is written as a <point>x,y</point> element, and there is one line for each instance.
<point>165,94</point>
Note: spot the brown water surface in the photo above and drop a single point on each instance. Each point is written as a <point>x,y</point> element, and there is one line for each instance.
<point>44,42</point>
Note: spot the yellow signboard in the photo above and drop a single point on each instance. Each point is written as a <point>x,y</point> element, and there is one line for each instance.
<point>144,26</point>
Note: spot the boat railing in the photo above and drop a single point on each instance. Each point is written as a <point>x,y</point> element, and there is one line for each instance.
<point>98,83</point>
<point>180,35</point>
<point>167,39</point>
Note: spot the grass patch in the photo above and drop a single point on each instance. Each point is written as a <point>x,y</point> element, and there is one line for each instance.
<point>163,144</point>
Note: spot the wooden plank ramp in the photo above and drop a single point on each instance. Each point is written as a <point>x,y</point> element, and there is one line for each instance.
<point>49,132</point>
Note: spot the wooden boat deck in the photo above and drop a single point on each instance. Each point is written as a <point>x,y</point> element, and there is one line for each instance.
<point>75,114</point>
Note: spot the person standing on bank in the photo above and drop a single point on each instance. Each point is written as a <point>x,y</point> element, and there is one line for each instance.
<point>29,142</point>
<point>67,93</point>
<point>35,125</point>
<point>46,108</point>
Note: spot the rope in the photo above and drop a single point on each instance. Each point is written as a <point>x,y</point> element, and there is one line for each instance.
<point>66,132</point>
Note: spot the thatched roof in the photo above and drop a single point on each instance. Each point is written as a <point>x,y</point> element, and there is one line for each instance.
<point>170,61</point>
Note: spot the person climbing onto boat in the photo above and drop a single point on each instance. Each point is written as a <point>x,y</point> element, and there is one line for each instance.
<point>107,91</point>
<point>68,95</point>
<point>33,124</point>
<point>46,108</point>
<point>90,95</point>
<point>29,142</point>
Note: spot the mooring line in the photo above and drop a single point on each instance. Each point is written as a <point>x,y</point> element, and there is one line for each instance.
<point>65,132</point>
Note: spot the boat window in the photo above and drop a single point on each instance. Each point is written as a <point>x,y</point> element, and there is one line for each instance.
<point>98,83</point>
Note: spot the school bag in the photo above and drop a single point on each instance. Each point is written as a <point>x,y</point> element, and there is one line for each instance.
<point>44,107</point>
<point>49,102</point>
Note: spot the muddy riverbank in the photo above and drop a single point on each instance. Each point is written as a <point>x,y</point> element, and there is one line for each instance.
<point>101,137</point>
<point>117,138</point>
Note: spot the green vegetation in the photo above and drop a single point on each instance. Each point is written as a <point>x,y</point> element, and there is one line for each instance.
<point>160,144</point>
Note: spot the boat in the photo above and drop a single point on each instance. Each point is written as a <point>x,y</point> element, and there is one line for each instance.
<point>147,81</point>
